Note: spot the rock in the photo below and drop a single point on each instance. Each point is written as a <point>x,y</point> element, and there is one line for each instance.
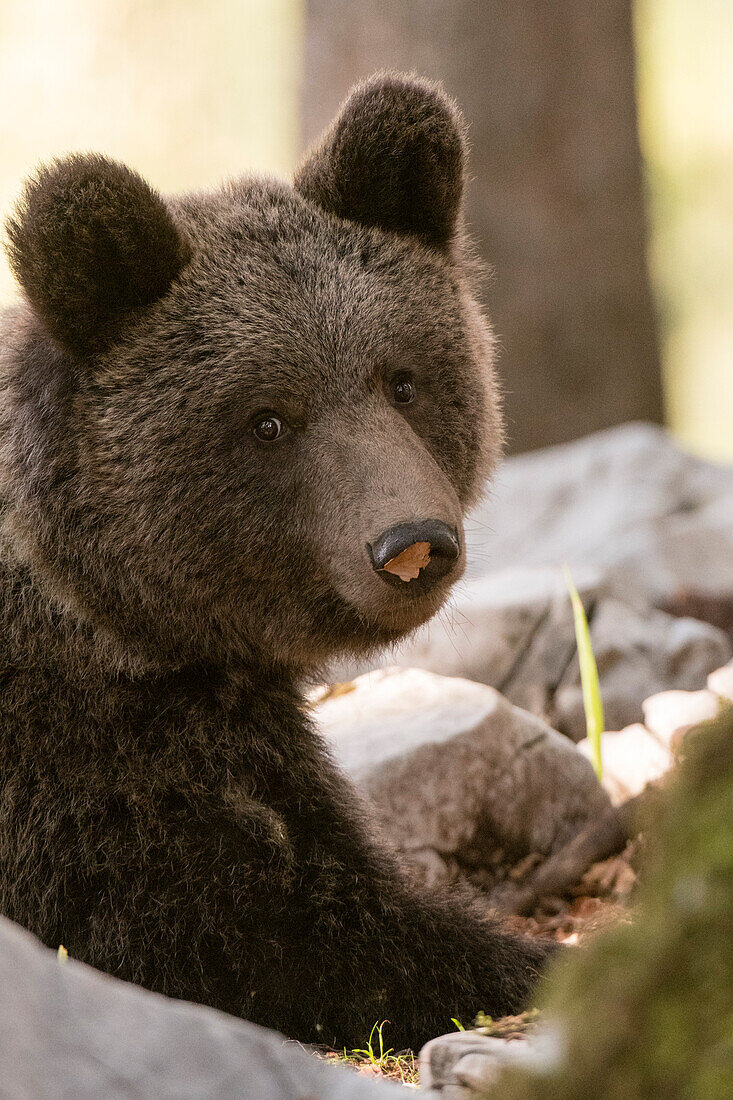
<point>641,754</point>
<point>721,682</point>
<point>644,1010</point>
<point>541,666</point>
<point>454,769</point>
<point>513,630</point>
<point>670,714</point>
<point>639,652</point>
<point>704,606</point>
<point>71,1032</point>
<point>488,628</point>
<point>464,1063</point>
<point>631,758</point>
<point>628,502</point>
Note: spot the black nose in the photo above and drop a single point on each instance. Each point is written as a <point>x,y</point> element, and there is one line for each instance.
<point>443,549</point>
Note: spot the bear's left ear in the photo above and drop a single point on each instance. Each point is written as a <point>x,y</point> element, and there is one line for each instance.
<point>394,158</point>
<point>92,244</point>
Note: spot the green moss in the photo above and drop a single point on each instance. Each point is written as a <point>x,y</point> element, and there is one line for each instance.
<point>647,1010</point>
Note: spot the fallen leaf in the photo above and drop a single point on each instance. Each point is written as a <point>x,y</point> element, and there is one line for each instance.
<point>408,564</point>
<point>343,687</point>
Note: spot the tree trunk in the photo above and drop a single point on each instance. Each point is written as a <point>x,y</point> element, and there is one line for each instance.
<point>555,201</point>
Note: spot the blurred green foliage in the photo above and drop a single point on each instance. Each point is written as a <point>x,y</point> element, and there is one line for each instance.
<point>686,123</point>
<point>645,1012</point>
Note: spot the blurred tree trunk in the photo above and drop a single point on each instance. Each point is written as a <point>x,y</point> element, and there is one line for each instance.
<point>556,200</point>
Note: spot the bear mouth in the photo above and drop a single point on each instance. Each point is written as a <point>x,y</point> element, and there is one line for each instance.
<point>408,605</point>
<point>401,582</point>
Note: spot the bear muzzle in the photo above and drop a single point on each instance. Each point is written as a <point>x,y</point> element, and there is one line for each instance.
<point>415,554</point>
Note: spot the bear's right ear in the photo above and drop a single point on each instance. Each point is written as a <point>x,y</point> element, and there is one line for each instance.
<point>91,243</point>
<point>393,158</point>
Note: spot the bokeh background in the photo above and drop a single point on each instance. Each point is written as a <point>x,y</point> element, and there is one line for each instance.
<point>602,175</point>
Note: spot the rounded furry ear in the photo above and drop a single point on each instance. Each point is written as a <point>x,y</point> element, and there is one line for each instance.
<point>91,243</point>
<point>394,157</point>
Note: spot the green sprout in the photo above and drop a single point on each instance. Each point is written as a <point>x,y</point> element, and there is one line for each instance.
<point>369,1051</point>
<point>592,702</point>
<point>383,1061</point>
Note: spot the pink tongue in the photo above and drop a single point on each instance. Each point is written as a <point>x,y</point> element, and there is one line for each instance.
<point>408,564</point>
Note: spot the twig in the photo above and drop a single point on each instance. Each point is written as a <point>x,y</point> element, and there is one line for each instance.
<point>602,838</point>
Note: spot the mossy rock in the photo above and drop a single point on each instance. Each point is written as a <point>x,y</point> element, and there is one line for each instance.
<point>647,1009</point>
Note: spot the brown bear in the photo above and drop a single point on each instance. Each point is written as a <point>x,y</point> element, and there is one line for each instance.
<point>238,433</point>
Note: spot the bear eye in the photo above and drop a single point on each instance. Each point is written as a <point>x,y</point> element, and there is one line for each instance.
<point>268,428</point>
<point>403,391</point>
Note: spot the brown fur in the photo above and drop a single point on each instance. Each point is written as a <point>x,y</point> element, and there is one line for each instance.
<point>166,809</point>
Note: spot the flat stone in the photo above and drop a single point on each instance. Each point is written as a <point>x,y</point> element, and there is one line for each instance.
<point>72,1033</point>
<point>670,714</point>
<point>721,682</point>
<point>454,768</point>
<point>631,758</point>
<point>471,1061</point>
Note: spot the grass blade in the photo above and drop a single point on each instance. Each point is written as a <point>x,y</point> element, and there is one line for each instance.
<point>592,702</point>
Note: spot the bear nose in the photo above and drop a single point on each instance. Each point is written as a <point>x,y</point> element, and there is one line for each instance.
<point>428,549</point>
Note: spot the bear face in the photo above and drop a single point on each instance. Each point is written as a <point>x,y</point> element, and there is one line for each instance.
<point>225,411</point>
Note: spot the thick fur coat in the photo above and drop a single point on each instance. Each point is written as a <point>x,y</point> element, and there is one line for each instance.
<point>211,407</point>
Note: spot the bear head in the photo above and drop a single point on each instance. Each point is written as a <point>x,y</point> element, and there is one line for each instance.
<point>248,422</point>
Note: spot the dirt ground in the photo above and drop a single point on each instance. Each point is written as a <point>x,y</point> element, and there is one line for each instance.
<point>601,897</point>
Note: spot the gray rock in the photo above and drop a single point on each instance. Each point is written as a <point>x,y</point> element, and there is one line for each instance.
<point>70,1033</point>
<point>454,769</point>
<point>639,652</point>
<point>628,502</point>
<point>513,630</point>
<point>540,668</point>
<point>465,1064</point>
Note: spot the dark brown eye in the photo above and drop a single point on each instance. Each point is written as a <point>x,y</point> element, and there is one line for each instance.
<point>269,428</point>
<point>403,391</point>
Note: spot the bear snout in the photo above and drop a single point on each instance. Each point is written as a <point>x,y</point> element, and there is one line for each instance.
<point>409,552</point>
